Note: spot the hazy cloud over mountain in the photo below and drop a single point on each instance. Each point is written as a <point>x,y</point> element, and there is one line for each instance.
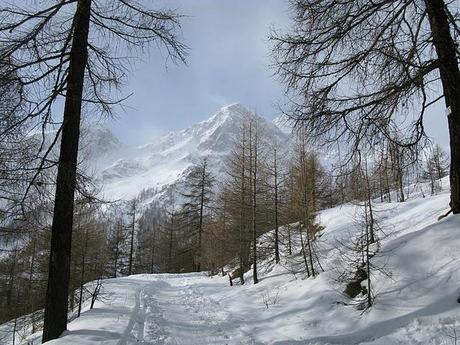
<point>228,62</point>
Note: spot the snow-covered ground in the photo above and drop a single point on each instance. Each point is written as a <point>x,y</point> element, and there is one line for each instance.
<point>415,294</point>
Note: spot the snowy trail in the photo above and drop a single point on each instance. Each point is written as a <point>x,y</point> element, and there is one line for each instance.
<point>158,309</point>
<point>415,298</point>
<point>178,311</point>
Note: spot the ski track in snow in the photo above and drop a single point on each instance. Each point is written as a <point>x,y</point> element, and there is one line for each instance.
<point>175,311</point>
<point>416,303</point>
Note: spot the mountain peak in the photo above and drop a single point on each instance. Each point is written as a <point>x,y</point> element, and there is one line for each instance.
<point>165,161</point>
<point>235,108</point>
<point>234,111</point>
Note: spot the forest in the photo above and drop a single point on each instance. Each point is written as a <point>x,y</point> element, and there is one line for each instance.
<point>359,79</point>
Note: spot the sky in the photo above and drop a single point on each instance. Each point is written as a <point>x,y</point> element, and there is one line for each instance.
<point>228,61</point>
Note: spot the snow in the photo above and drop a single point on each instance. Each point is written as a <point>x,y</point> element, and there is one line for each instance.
<point>125,171</point>
<point>415,297</point>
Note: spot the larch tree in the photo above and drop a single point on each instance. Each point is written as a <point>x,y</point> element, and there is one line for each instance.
<point>235,196</point>
<point>132,232</point>
<point>254,161</point>
<point>275,182</point>
<point>149,224</point>
<point>306,173</point>
<point>198,194</point>
<point>71,51</point>
<point>436,168</point>
<point>359,72</point>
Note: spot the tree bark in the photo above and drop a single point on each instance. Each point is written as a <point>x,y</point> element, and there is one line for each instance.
<point>152,253</point>
<point>117,250</point>
<point>277,251</point>
<point>200,230</point>
<point>242,237</point>
<point>254,210</point>
<point>450,78</point>
<point>170,243</point>
<point>131,242</point>
<point>82,273</point>
<point>55,321</point>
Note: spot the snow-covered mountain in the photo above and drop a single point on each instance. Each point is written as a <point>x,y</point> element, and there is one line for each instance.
<point>284,123</point>
<point>126,171</point>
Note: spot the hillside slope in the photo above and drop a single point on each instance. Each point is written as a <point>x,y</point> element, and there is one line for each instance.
<point>415,294</point>
<point>123,172</point>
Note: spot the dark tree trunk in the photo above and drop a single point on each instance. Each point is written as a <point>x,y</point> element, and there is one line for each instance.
<point>304,253</point>
<point>371,214</point>
<point>55,321</point>
<point>11,281</point>
<point>82,273</point>
<point>117,250</point>
<point>131,242</point>
<point>200,230</point>
<point>253,174</point>
<point>152,253</point>
<point>310,253</point>
<point>170,244</point>
<point>450,77</point>
<point>242,238</point>
<point>277,251</point>
<point>306,224</point>
<point>30,292</point>
<point>289,239</point>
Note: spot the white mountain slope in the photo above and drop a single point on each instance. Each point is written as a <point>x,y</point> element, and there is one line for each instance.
<point>125,172</point>
<point>416,297</point>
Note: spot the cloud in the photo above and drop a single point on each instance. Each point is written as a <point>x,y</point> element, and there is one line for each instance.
<point>228,62</point>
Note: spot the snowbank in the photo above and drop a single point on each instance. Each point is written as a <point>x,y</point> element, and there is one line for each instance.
<point>415,302</point>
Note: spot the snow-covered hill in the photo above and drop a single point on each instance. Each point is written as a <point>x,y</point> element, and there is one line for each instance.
<point>416,294</point>
<point>125,171</point>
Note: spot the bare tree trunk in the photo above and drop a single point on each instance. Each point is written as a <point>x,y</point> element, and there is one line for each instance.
<point>200,230</point>
<point>397,166</point>
<point>289,239</point>
<point>387,179</point>
<point>95,293</point>
<point>152,260</point>
<point>117,250</point>
<point>131,243</point>
<point>401,185</point>
<point>55,321</point>
<point>310,254</point>
<point>253,174</point>
<point>15,325</point>
<point>277,251</point>
<point>369,201</point>
<point>305,205</point>
<point>450,77</point>
<point>82,275</point>
<point>304,253</point>
<point>30,295</point>
<point>243,218</point>
<point>368,265</point>
<point>170,243</point>
<point>72,287</point>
